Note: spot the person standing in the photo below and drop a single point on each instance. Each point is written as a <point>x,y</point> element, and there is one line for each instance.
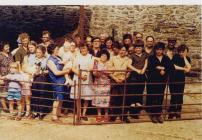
<point>22,51</point>
<point>83,61</point>
<point>57,77</point>
<point>182,65</point>
<point>139,61</point>
<point>159,67</point>
<point>5,60</point>
<point>101,85</point>
<point>149,47</point>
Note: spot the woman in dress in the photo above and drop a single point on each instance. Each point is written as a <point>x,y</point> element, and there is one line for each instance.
<point>101,85</point>
<point>28,69</point>
<point>83,61</point>
<point>182,65</point>
<point>40,98</point>
<point>57,77</point>
<point>5,60</point>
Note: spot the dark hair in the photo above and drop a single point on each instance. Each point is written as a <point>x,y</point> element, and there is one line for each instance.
<point>104,51</point>
<point>94,38</point>
<point>109,38</point>
<point>182,48</point>
<point>51,48</point>
<point>2,44</point>
<point>42,48</point>
<point>127,36</point>
<point>116,44</point>
<point>149,36</point>
<point>122,46</point>
<point>46,32</point>
<point>139,43</point>
<point>159,45</point>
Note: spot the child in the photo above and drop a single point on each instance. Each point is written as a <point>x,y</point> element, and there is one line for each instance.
<point>14,89</point>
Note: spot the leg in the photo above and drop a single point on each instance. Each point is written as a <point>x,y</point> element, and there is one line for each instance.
<point>55,110</point>
<point>23,104</point>
<point>85,105</point>
<point>11,104</point>
<point>3,103</point>
<point>28,109</point>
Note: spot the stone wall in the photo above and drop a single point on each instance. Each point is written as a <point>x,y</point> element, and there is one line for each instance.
<point>182,22</point>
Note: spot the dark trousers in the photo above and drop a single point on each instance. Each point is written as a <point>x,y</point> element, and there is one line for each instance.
<point>156,101</point>
<point>176,101</point>
<point>136,88</point>
<point>117,101</point>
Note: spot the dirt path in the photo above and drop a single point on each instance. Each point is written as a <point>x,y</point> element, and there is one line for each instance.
<point>36,130</point>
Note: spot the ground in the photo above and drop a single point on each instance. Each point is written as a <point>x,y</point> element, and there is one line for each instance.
<point>170,130</point>
<point>36,130</point>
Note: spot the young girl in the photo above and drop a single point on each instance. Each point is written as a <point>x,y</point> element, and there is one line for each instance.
<point>14,89</point>
<point>28,68</point>
<point>101,85</point>
<point>85,61</point>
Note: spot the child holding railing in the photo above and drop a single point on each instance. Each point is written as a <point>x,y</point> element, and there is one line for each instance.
<point>14,89</point>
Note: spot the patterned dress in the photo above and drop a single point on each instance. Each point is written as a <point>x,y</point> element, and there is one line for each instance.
<point>4,70</point>
<point>101,87</point>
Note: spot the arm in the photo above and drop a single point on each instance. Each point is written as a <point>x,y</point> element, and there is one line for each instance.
<point>132,68</point>
<point>187,63</point>
<point>145,66</point>
<point>179,68</point>
<point>54,69</point>
<point>26,68</point>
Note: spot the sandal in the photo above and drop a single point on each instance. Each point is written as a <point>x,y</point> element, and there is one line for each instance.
<point>84,118</point>
<point>28,114</point>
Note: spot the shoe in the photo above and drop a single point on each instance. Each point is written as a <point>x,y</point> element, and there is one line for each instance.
<point>135,117</point>
<point>33,116</point>
<point>126,120</point>
<point>98,119</point>
<point>22,114</point>
<point>112,119</point>
<point>41,116</point>
<point>28,114</point>
<point>171,116</point>
<point>178,116</point>
<point>159,119</point>
<point>56,120</point>
<point>5,110</point>
<point>84,118</point>
<point>153,119</point>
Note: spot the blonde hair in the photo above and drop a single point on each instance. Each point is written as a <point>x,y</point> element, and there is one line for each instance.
<point>16,65</point>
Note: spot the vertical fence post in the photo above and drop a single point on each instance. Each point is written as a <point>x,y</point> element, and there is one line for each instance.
<point>166,102</point>
<point>124,97</point>
<point>78,98</point>
<point>74,115</point>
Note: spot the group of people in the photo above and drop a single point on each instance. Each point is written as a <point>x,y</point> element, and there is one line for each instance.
<point>108,75</point>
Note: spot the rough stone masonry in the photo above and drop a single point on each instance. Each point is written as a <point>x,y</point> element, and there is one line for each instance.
<point>182,22</point>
